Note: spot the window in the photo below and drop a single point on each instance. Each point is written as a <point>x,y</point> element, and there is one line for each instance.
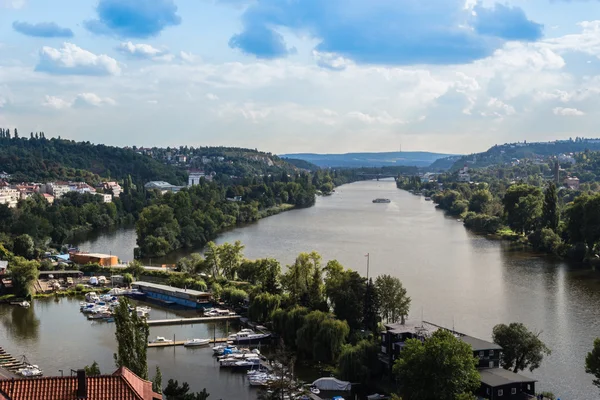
<point>481,354</point>
<point>491,353</point>
<point>513,391</point>
<point>491,364</point>
<point>500,392</point>
<point>528,387</point>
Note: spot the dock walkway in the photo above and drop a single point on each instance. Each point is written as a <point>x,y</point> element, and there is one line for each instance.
<point>181,342</point>
<point>9,363</point>
<point>182,321</point>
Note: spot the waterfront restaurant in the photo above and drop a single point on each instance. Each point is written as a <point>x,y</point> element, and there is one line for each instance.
<point>169,294</point>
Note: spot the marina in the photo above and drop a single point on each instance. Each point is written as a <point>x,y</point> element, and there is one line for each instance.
<point>192,320</point>
<point>173,343</point>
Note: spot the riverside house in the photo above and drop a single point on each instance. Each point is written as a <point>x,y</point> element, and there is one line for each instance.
<point>121,385</point>
<point>496,383</point>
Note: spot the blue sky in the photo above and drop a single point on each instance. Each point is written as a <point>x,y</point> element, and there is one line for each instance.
<point>302,75</point>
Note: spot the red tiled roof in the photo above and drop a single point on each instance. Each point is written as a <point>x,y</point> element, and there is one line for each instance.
<point>122,385</point>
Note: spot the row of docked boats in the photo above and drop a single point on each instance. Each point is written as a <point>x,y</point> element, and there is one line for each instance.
<point>102,307</point>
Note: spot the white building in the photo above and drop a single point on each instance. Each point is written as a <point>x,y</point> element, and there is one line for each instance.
<point>566,158</point>
<point>195,176</point>
<point>57,189</point>
<point>114,187</point>
<point>9,196</point>
<point>106,198</point>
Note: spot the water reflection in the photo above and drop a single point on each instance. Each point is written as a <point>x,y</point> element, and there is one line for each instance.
<point>20,323</point>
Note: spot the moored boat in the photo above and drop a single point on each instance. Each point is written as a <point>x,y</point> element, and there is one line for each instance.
<point>161,339</point>
<point>248,336</point>
<point>196,342</point>
<point>380,200</point>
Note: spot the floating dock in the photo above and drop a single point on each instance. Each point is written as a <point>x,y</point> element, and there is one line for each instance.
<point>181,342</point>
<point>195,320</point>
<point>9,363</point>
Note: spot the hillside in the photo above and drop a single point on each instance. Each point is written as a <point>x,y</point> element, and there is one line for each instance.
<point>356,160</point>
<point>31,159</point>
<point>509,152</point>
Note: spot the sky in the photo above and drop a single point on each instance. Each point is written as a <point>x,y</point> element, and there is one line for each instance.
<point>287,76</point>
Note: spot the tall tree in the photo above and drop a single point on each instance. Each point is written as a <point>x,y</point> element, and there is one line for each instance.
<point>213,258</point>
<point>132,340</point>
<point>521,348</point>
<point>371,308</point>
<point>424,376</point>
<point>393,298</point>
<point>360,363</point>
<point>23,273</point>
<point>231,256</point>
<point>346,291</point>
<point>523,207</point>
<point>550,215</point>
<point>157,381</point>
<point>592,362</point>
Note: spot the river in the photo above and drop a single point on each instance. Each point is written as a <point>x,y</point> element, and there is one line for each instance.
<point>455,278</point>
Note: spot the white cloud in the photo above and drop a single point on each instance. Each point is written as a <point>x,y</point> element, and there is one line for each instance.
<point>380,118</point>
<point>567,112</point>
<point>93,100</point>
<point>499,108</point>
<point>56,103</point>
<point>212,97</point>
<point>152,101</point>
<point>144,51</point>
<point>188,57</point>
<point>81,100</point>
<point>331,60</point>
<point>73,60</point>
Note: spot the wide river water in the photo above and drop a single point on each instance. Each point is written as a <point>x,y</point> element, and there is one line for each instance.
<point>455,278</point>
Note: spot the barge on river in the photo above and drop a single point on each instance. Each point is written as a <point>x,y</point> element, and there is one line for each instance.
<point>183,297</point>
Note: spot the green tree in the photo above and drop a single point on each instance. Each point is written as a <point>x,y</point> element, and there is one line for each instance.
<point>132,340</point>
<point>441,368</point>
<point>262,306</point>
<point>550,215</point>
<point>523,207</point>
<point>480,200</point>
<point>231,256</point>
<point>360,363</point>
<point>322,337</point>
<point>393,299</point>
<point>346,291</point>
<point>23,274</point>
<point>173,391</point>
<point>592,362</point>
<point>371,308</point>
<point>136,269</point>
<point>92,370</point>
<point>127,279</point>
<point>521,348</point>
<point>157,381</point>
<point>157,230</point>
<point>212,258</point>
<point>24,246</point>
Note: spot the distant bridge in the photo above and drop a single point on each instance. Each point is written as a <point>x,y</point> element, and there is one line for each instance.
<point>376,176</point>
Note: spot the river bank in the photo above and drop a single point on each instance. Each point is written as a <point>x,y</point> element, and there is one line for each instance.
<point>454,277</point>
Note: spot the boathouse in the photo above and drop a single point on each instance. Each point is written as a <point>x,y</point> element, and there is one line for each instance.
<point>183,297</point>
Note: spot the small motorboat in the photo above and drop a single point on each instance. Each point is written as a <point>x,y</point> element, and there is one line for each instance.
<point>314,390</point>
<point>25,304</point>
<point>382,200</point>
<point>160,339</point>
<point>196,342</point>
<point>30,371</point>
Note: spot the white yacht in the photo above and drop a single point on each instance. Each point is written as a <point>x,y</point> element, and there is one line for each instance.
<point>248,336</point>
<point>30,371</point>
<point>196,342</point>
<point>160,339</point>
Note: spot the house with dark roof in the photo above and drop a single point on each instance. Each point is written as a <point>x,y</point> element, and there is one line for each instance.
<point>502,384</point>
<point>121,385</point>
<point>487,353</point>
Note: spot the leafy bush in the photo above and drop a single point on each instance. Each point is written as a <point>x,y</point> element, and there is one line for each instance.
<point>482,222</point>
<point>234,297</point>
<point>79,287</point>
<point>547,241</point>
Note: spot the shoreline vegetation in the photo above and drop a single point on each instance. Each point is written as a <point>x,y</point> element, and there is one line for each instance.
<point>559,222</point>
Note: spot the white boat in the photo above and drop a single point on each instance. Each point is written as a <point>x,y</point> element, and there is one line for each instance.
<point>379,200</point>
<point>24,304</point>
<point>142,311</point>
<point>160,339</point>
<point>91,297</point>
<point>314,390</point>
<point>30,371</point>
<point>248,336</point>
<point>196,342</point>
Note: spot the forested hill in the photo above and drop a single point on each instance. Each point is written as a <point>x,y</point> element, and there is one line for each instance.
<point>41,159</point>
<point>506,153</point>
<point>358,160</point>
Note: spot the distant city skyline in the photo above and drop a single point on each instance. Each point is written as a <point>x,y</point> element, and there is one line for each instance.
<point>446,76</point>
